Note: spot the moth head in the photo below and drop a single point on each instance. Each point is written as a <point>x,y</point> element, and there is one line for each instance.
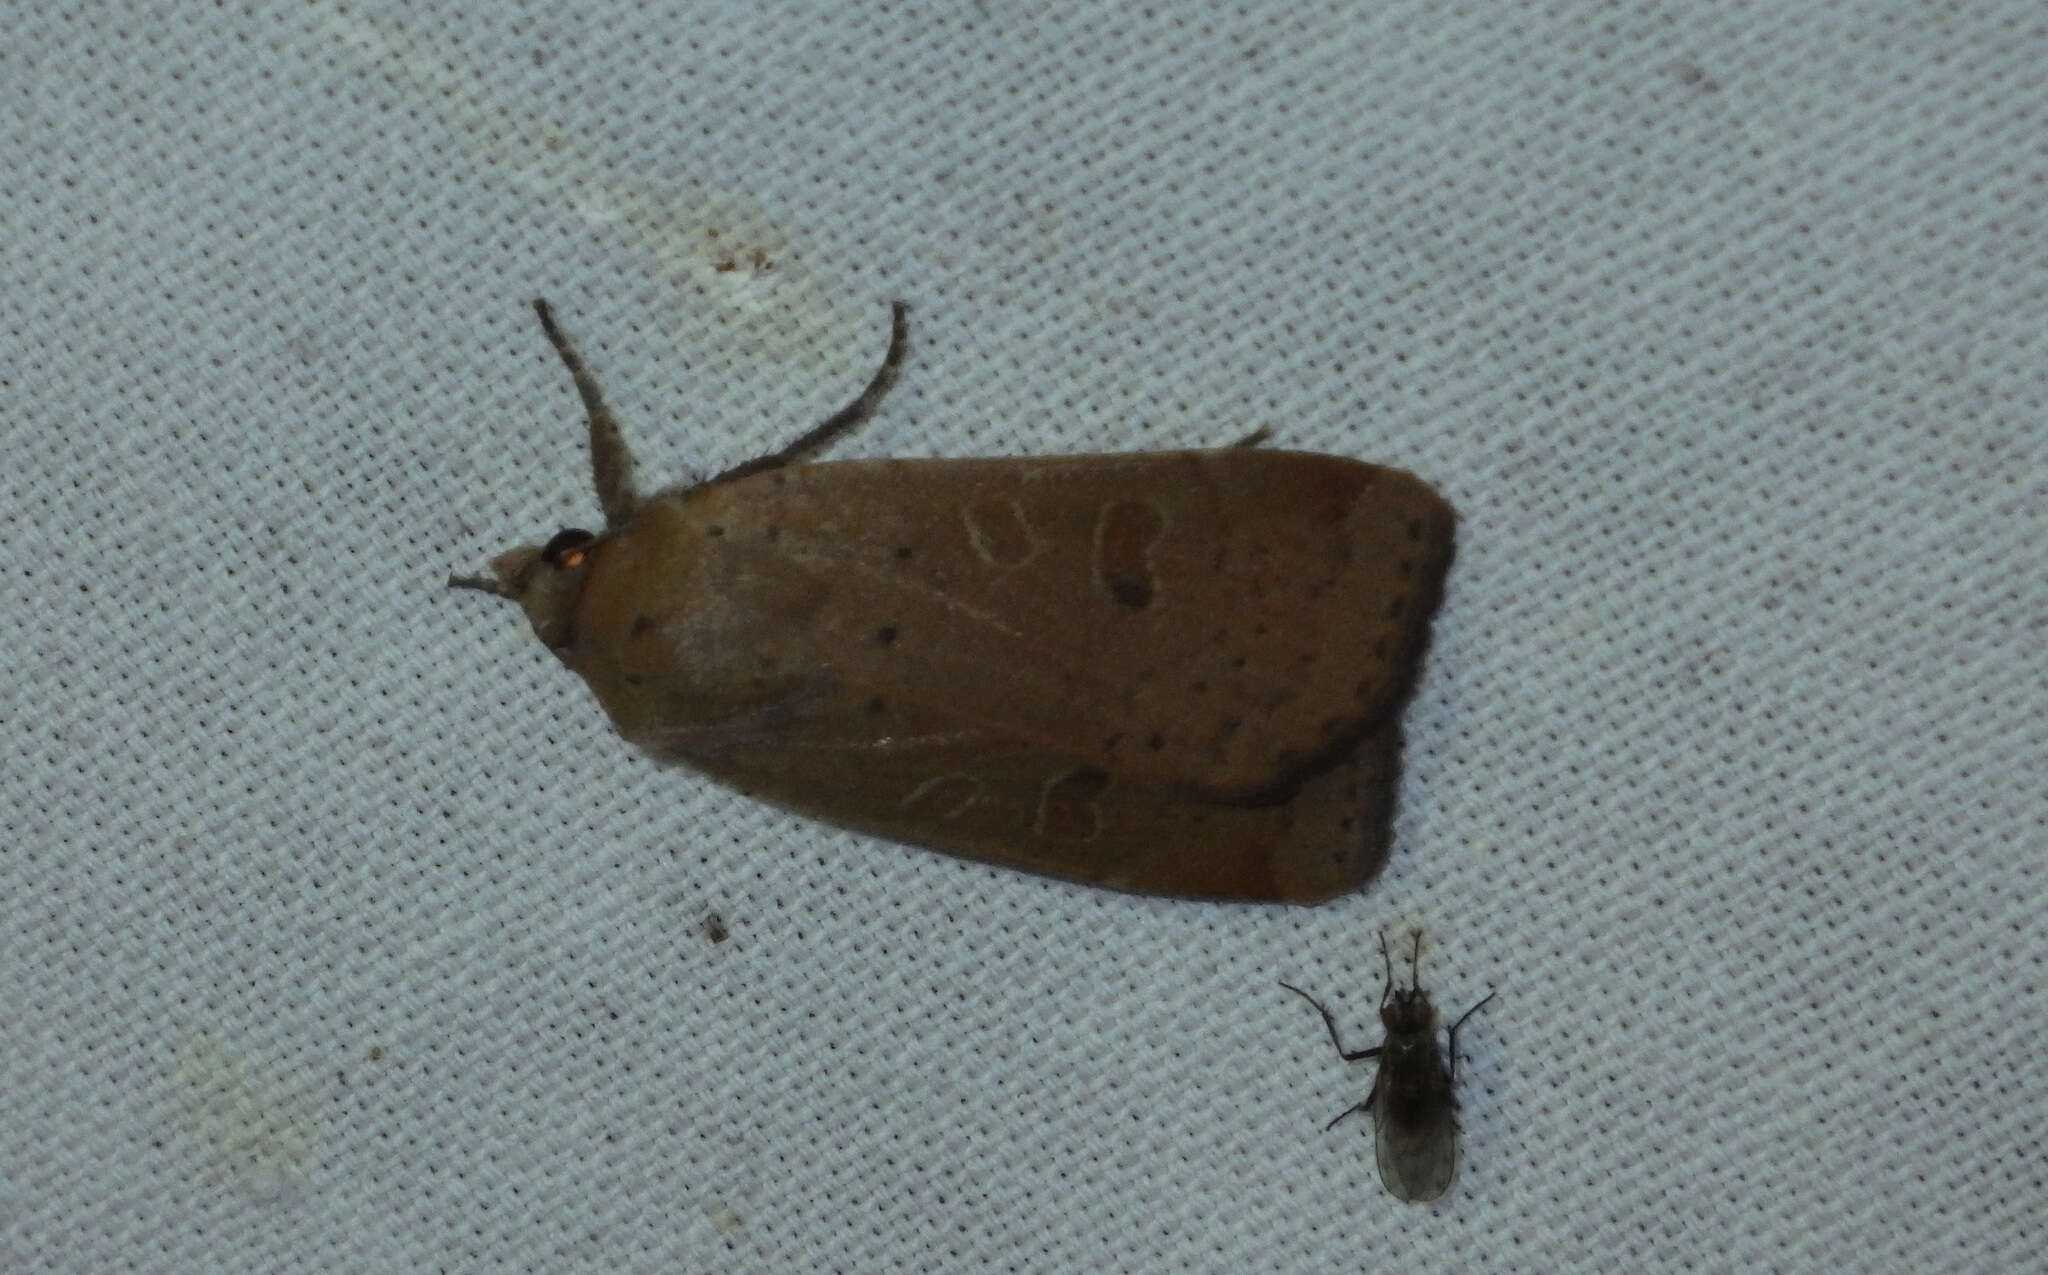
<point>545,580</point>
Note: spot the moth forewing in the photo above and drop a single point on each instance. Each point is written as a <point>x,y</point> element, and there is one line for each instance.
<point>1177,673</point>
<point>999,591</point>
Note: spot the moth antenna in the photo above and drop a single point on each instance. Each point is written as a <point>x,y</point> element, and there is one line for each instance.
<point>1415,963</point>
<point>846,418</point>
<point>1386,988</point>
<point>611,461</point>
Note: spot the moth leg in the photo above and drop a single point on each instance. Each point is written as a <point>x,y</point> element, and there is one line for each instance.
<point>1331,1023</point>
<point>1453,1033</point>
<point>611,461</point>
<point>846,417</point>
<point>1348,1111</point>
<point>1253,439</point>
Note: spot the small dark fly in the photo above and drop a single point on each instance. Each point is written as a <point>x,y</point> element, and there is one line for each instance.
<point>1413,1103</point>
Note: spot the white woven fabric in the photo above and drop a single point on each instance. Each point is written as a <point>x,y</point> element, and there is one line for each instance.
<point>338,933</point>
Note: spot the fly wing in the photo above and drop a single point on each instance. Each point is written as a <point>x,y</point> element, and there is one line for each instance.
<point>1418,1159</point>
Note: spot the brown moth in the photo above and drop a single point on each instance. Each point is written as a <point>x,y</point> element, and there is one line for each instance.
<point>1175,673</point>
<point>1414,1102</point>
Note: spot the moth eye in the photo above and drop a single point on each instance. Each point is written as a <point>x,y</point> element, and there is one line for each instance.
<point>565,550</point>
